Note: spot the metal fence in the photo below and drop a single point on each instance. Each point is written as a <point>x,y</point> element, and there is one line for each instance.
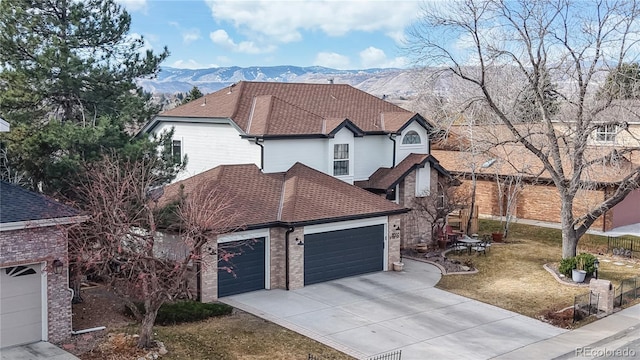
<point>627,292</point>
<point>623,246</point>
<point>585,305</point>
<point>394,355</point>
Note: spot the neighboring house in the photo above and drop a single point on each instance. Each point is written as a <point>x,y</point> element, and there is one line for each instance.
<point>333,128</point>
<point>304,227</point>
<point>537,197</point>
<point>35,299</point>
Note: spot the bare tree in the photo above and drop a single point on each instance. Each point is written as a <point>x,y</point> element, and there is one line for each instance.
<point>435,206</point>
<point>559,50</point>
<point>119,241</point>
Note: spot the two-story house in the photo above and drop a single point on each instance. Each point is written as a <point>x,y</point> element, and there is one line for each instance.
<point>358,140</point>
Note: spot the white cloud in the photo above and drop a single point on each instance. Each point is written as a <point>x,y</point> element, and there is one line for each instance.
<point>191,64</point>
<point>220,37</point>
<point>282,21</point>
<point>332,60</point>
<point>372,57</point>
<point>145,43</point>
<point>188,35</point>
<point>134,5</point>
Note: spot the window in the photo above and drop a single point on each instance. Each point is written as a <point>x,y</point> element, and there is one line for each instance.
<point>607,133</point>
<point>411,138</point>
<point>16,271</point>
<point>340,159</point>
<point>176,151</point>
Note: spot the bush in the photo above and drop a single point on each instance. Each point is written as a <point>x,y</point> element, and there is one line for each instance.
<point>568,264</point>
<point>186,311</point>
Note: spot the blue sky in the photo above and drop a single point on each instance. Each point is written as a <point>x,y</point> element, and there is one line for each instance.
<point>347,34</point>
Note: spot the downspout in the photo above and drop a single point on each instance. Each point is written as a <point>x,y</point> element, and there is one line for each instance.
<point>392,137</point>
<point>261,153</point>
<point>286,256</point>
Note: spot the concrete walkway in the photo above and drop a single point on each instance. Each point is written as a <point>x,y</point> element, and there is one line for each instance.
<point>36,351</point>
<point>381,312</point>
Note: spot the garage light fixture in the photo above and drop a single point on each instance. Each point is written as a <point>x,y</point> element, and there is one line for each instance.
<point>57,266</point>
<point>299,242</point>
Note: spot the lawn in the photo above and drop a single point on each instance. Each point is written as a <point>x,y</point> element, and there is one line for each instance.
<point>511,276</point>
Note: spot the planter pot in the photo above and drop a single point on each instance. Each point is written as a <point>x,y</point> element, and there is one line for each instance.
<point>442,244</point>
<point>578,275</point>
<point>496,237</point>
<point>398,266</point>
<point>421,248</point>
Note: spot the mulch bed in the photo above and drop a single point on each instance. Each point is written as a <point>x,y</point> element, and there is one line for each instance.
<point>449,265</point>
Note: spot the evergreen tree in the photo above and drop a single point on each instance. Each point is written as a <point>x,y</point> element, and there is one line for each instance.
<point>67,86</point>
<point>623,82</point>
<point>195,93</point>
<point>528,107</point>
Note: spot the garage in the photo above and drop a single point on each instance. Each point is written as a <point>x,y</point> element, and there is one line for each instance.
<point>20,305</point>
<point>340,253</point>
<point>247,266</point>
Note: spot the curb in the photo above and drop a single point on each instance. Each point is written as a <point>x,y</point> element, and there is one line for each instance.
<point>555,276</point>
<point>443,271</point>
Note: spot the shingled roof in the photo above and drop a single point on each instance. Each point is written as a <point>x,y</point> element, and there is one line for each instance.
<point>387,178</point>
<point>299,196</point>
<point>273,108</point>
<point>21,205</point>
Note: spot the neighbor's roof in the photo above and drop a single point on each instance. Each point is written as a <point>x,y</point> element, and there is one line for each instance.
<point>289,109</point>
<point>18,205</point>
<point>386,178</point>
<point>298,196</point>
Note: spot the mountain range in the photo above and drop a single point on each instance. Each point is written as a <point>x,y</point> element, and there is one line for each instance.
<point>394,83</point>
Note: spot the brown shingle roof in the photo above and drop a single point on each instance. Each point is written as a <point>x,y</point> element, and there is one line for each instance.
<point>297,196</point>
<point>271,108</point>
<point>386,178</point>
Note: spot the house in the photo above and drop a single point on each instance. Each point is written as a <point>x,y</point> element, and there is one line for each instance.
<point>335,129</point>
<point>35,299</point>
<point>304,227</point>
<point>537,197</point>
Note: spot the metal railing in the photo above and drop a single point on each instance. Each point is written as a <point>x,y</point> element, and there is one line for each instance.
<point>628,291</point>
<point>585,305</point>
<point>394,355</point>
<point>629,245</point>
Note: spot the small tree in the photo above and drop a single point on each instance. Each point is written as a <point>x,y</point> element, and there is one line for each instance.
<point>195,93</point>
<point>119,241</point>
<point>434,207</point>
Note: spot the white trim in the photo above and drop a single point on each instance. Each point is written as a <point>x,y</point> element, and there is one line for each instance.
<point>385,259</point>
<point>253,234</point>
<point>45,301</point>
<point>4,126</point>
<point>19,225</point>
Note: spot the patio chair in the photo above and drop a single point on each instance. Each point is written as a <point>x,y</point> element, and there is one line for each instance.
<point>459,247</point>
<point>480,248</point>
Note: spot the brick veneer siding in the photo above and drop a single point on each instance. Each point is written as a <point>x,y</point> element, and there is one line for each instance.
<point>393,237</point>
<point>209,272</point>
<point>296,259</point>
<point>277,257</point>
<point>37,245</point>
<point>535,202</point>
<point>414,228</point>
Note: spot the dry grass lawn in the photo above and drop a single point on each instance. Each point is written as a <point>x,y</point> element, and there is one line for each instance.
<point>511,276</point>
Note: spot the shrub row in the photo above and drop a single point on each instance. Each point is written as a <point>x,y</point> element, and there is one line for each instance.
<point>186,311</point>
<point>584,259</point>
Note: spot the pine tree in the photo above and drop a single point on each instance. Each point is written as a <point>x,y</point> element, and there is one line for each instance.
<point>195,93</point>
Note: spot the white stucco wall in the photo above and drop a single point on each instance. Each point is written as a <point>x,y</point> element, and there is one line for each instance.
<point>403,150</point>
<point>210,145</point>
<point>371,152</point>
<point>280,155</point>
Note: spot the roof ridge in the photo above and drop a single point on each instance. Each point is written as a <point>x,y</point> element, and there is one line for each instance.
<point>282,192</point>
<point>240,85</point>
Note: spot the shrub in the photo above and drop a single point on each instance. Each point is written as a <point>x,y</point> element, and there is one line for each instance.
<point>585,260</point>
<point>186,311</point>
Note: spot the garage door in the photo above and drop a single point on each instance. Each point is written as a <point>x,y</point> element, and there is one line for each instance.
<point>20,305</point>
<point>337,254</point>
<point>247,267</point>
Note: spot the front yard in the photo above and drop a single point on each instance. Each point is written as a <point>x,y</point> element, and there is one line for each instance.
<point>511,276</point>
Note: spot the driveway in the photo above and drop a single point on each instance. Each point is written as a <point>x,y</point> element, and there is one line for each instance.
<point>37,351</point>
<point>380,312</point>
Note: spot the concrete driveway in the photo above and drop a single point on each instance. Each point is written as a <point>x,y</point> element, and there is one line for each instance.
<point>380,312</point>
<point>37,351</point>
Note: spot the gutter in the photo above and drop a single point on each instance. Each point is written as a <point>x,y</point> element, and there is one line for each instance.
<point>286,255</point>
<point>392,138</point>
<point>28,224</point>
<point>257,141</point>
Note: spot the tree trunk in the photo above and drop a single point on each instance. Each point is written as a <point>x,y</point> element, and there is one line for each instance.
<point>569,238</point>
<point>145,340</point>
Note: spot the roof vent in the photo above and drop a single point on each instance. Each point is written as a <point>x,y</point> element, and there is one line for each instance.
<point>330,80</point>
<point>204,103</point>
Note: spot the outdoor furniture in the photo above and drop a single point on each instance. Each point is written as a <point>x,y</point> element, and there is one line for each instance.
<point>469,242</point>
<point>459,247</point>
<point>480,247</point>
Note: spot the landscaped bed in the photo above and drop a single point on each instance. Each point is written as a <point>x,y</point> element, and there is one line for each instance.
<point>511,275</point>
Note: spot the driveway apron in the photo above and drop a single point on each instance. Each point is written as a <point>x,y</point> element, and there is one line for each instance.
<point>386,311</point>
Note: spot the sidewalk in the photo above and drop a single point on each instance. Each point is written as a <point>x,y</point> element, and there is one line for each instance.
<point>633,229</point>
<point>610,333</point>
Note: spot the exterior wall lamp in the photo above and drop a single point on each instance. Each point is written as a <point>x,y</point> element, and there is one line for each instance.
<point>299,242</point>
<point>58,266</point>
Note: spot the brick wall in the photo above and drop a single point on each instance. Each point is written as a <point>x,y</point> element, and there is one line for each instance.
<point>209,272</point>
<point>277,257</point>
<point>393,237</point>
<point>46,244</point>
<point>296,259</point>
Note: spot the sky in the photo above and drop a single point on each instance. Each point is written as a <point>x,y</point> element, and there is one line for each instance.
<point>340,34</point>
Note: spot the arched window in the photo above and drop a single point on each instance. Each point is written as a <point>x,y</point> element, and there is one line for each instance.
<point>412,137</point>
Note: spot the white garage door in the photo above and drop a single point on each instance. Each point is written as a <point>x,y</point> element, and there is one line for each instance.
<point>20,305</point>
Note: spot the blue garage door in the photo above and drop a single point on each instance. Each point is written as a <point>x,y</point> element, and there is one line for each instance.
<point>337,254</point>
<point>247,267</point>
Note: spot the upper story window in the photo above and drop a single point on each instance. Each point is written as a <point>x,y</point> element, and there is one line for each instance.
<point>607,133</point>
<point>411,138</point>
<point>340,159</point>
<point>176,151</point>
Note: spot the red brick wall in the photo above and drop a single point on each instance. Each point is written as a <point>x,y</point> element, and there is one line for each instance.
<point>30,246</point>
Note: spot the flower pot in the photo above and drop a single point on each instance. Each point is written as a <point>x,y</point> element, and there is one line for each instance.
<point>496,237</point>
<point>578,275</point>
<point>398,266</point>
